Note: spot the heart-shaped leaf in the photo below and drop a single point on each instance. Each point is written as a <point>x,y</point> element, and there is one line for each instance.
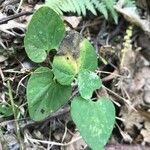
<point>88,82</point>
<point>75,54</point>
<point>45,32</point>
<point>44,95</point>
<point>95,120</point>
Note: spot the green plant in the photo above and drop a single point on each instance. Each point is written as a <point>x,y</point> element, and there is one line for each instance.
<point>75,62</point>
<point>80,6</point>
<point>105,7</point>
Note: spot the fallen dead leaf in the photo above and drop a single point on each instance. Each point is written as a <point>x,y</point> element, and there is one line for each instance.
<point>78,145</point>
<point>131,118</point>
<point>73,20</point>
<point>146,132</point>
<point>131,15</point>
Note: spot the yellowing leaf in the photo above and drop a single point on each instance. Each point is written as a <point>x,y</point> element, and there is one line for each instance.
<point>75,54</point>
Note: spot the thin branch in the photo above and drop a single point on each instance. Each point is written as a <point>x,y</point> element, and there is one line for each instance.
<point>20,4</point>
<point>11,17</point>
<point>51,142</point>
<point>125,100</point>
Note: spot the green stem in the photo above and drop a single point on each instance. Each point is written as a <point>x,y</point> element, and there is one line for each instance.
<point>15,115</point>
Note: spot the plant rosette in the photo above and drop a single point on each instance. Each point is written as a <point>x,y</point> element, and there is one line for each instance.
<point>49,89</point>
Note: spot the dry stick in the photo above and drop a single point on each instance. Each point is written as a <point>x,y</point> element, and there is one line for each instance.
<point>125,100</point>
<point>12,71</point>
<point>115,73</point>
<point>51,142</point>
<point>123,134</point>
<point>8,18</point>
<point>65,133</point>
<point>20,82</point>
<point>110,98</point>
<point>56,114</point>
<point>2,75</point>
<point>20,4</point>
<point>15,115</point>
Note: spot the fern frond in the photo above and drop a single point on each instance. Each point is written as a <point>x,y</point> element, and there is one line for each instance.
<point>101,7</point>
<point>90,6</point>
<point>110,6</point>
<point>80,6</point>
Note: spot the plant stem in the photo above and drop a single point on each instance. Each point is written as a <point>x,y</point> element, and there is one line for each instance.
<point>15,115</point>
